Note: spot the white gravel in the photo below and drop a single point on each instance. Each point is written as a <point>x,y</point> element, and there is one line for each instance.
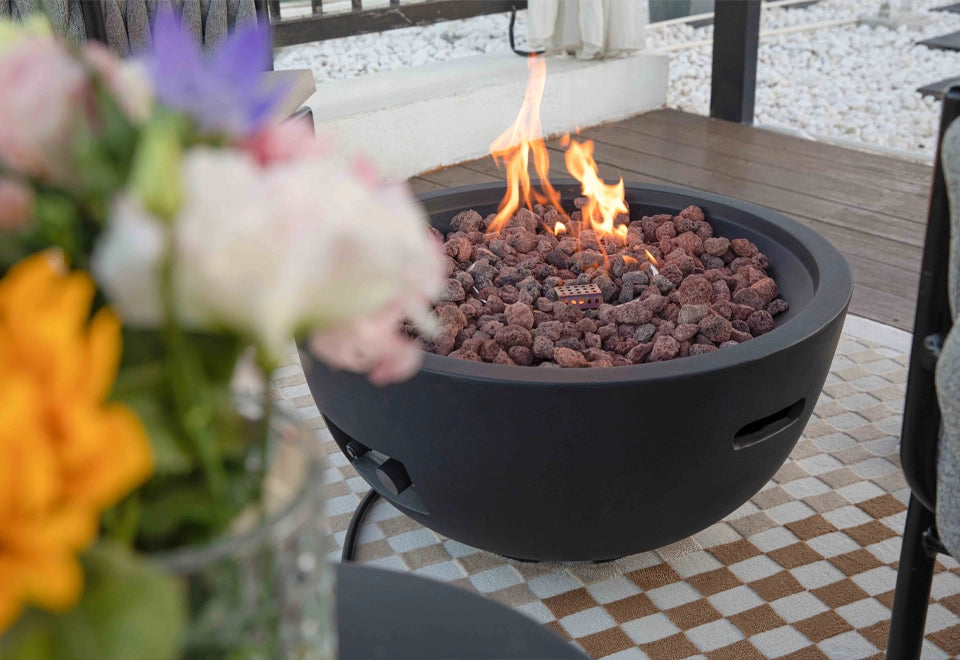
<point>385,51</point>
<point>848,82</point>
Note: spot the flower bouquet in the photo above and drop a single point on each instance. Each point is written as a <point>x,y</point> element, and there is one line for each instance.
<point>156,224</point>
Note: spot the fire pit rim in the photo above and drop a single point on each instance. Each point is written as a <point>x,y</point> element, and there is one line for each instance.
<point>833,288</point>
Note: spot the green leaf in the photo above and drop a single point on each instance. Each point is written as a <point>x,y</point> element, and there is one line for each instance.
<point>129,609</point>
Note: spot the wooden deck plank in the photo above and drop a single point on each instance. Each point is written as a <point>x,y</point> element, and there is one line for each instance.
<point>819,183</point>
<point>831,153</point>
<point>844,169</point>
<point>872,208</point>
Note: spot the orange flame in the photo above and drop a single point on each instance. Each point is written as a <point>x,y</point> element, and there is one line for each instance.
<point>559,229</point>
<point>604,202</point>
<point>513,148</point>
<point>653,262</point>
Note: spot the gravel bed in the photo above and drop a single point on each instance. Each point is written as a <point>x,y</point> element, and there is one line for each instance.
<point>848,82</point>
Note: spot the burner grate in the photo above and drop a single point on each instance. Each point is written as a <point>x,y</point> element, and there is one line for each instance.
<point>585,296</point>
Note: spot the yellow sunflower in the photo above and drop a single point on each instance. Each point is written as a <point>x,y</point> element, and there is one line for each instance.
<point>65,454</point>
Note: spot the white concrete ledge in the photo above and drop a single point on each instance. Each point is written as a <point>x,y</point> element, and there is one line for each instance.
<point>414,120</point>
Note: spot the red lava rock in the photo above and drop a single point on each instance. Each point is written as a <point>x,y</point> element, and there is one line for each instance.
<point>665,348</point>
<point>748,297</point>
<point>767,289</point>
<point>542,347</point>
<point>521,355</point>
<point>523,241</point>
<point>499,302</point>
<point>760,322</point>
<point>742,312</point>
<point>503,358</point>
<point>778,306</point>
<point>700,349</point>
<point>633,313</point>
<point>463,354</point>
<point>451,317</point>
<point>716,328</point>
<point>728,344</point>
<point>520,314</point>
<point>586,325</point>
<point>689,242</point>
<point>551,330</point>
<point>567,357</point>
<point>716,247</point>
<point>692,212</point>
<point>514,335</point>
<point>692,313</point>
<point>685,332</point>
<point>724,308</point>
<point>720,291</point>
<point>466,221</point>
<point>445,341</point>
<point>695,290</point>
<point>743,248</point>
<point>639,353</point>
<point>710,261</point>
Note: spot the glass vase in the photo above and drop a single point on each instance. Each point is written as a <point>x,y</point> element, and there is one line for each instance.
<point>265,589</point>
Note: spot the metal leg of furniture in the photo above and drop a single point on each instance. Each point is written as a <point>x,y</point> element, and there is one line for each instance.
<point>914,578</point>
<point>350,541</point>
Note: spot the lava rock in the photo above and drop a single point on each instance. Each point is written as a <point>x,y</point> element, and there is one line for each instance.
<point>570,358</point>
<point>716,328</point>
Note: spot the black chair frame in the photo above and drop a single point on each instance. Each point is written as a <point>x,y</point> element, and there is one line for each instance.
<point>921,419</point>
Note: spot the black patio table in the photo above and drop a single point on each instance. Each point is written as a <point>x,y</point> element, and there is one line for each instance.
<point>385,614</point>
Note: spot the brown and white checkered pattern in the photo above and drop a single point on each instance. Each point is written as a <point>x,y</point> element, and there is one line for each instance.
<point>804,570</point>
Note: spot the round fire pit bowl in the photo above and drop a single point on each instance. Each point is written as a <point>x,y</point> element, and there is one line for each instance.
<point>599,463</point>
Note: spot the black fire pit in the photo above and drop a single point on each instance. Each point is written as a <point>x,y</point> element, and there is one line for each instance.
<point>598,463</point>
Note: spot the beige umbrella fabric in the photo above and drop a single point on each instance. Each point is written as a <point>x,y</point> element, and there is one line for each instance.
<point>589,29</point>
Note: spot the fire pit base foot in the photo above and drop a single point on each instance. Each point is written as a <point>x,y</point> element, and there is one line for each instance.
<point>353,529</point>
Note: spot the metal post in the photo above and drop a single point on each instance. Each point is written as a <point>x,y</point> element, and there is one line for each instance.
<point>914,578</point>
<point>736,35</point>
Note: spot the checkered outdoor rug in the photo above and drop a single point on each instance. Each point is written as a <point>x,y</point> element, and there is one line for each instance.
<point>805,570</point>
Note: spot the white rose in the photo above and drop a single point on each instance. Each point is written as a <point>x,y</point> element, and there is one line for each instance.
<point>271,252</point>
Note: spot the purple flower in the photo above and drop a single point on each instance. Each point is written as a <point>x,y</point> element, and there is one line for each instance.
<point>224,91</point>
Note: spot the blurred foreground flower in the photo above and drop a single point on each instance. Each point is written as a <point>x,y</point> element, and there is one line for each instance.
<point>268,253</point>
<point>65,455</point>
<point>49,99</point>
<point>223,92</point>
<point>16,201</point>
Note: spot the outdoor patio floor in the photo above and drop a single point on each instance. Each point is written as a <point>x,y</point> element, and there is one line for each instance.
<point>872,207</point>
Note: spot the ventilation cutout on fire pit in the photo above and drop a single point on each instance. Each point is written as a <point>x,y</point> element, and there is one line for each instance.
<point>766,427</point>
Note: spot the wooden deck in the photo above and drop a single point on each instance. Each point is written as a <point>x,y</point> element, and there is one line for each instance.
<point>872,208</point>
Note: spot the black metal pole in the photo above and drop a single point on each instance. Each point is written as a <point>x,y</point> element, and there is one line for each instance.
<point>736,35</point>
<point>263,18</point>
<point>921,414</point>
<point>913,586</point>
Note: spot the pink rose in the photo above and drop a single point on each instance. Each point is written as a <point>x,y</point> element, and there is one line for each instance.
<point>16,204</point>
<point>289,140</point>
<point>370,344</point>
<point>45,90</point>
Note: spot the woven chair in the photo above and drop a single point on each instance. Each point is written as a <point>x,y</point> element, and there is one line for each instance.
<point>124,25</point>
<point>922,424</point>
